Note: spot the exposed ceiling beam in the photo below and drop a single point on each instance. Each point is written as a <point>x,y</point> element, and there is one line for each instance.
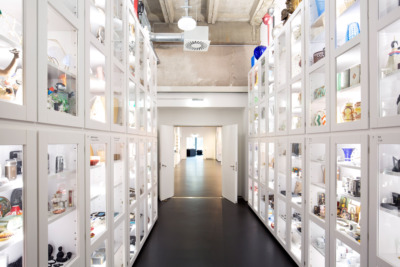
<point>167,8</point>
<point>212,11</point>
<point>259,10</point>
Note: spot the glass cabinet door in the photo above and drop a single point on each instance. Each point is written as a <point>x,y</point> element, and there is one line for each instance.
<point>99,255</point>
<point>317,101</point>
<point>255,196</point>
<point>142,222</point>
<point>255,161</point>
<point>282,221</point>
<point>155,204</point>
<point>250,158</point>
<point>262,65</point>
<point>296,234</point>
<point>96,95</point>
<point>271,166</point>
<point>250,192</point>
<point>350,192</point>
<point>271,115</point>
<point>132,167</point>
<point>262,193</point>
<point>263,162</point>
<point>297,108</point>
<point>97,184</point>
<point>133,244</point>
<point>149,110</point>
<point>282,106</point>
<point>149,164</point>
<point>118,101</point>
<point>142,57</point>
<point>132,105</point>
<point>271,210</point>
<point>149,211</point>
<point>282,166</point>
<point>297,170</point>
<point>132,44</point>
<point>142,166</point>
<point>348,20</point>
<point>141,110</point>
<point>256,89</point>
<point>317,245</point>
<point>271,71</point>
<point>316,30</point>
<point>154,163</point>
<point>296,38</point>
<point>263,118</point>
<point>385,7</point>
<point>282,60</point>
<point>385,207</point>
<point>118,30</point>
<point>97,11</point>
<point>119,163</point>
<point>119,246</point>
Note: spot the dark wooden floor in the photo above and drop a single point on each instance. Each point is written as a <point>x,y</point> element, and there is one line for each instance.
<point>197,232</point>
<point>195,177</point>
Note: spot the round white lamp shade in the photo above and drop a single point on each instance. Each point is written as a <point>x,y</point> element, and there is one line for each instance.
<point>186,23</point>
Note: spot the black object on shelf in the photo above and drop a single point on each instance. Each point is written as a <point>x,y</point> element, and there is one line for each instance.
<point>190,152</point>
<point>199,152</point>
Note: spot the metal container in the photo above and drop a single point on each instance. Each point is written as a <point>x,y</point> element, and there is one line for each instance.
<point>11,169</point>
<point>59,164</point>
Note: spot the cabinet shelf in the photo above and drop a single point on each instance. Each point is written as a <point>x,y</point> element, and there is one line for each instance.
<point>320,185</point>
<point>98,165</point>
<point>319,22</point>
<point>11,43</point>
<point>54,71</point>
<point>61,175</point>
<point>15,239</point>
<point>54,217</point>
<point>391,77</point>
<point>349,9</point>
<point>358,199</point>
<point>17,183</point>
<point>348,93</point>
<point>394,213</point>
<point>391,173</point>
<point>347,165</point>
<point>321,251</point>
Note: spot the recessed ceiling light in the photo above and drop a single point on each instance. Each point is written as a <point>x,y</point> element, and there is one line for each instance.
<point>187,23</point>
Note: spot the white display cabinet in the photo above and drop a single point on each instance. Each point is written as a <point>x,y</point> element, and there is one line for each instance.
<point>19,206</point>
<point>263,161</point>
<point>250,193</point>
<point>60,70</point>
<point>282,106</point>
<point>263,73</point>
<point>270,220</point>
<point>281,221</point>
<point>384,200</point>
<point>384,58</point>
<point>281,167</point>
<point>155,204</point>
<point>18,72</point>
<point>61,198</point>
<point>99,255</point>
<point>149,211</point>
<point>149,113</point>
<point>142,167</point>
<point>149,164</point>
<point>119,245</point>
<point>99,214</point>
<point>349,42</point>
<point>296,170</point>
<point>256,172</point>
<point>271,166</point>
<point>349,198</point>
<point>317,201</point>
<point>255,197</point>
<point>118,170</point>
<point>154,163</point>
<point>142,222</point>
<point>141,110</point>
<point>262,201</point>
<point>132,106</point>
<point>132,45</point>
<point>118,31</point>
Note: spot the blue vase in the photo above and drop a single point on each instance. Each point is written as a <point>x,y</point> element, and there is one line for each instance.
<point>353,29</point>
<point>259,50</point>
<point>347,153</point>
<point>320,6</point>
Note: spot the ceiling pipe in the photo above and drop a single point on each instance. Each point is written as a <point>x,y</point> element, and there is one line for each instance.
<point>166,37</point>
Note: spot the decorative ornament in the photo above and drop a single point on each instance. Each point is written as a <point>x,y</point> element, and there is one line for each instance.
<point>259,50</point>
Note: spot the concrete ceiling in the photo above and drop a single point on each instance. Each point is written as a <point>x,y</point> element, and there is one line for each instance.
<point>231,22</point>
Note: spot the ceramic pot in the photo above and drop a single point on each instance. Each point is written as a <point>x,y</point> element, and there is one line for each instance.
<point>347,153</point>
<point>348,112</point>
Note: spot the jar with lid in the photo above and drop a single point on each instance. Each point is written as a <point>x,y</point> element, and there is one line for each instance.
<point>11,169</point>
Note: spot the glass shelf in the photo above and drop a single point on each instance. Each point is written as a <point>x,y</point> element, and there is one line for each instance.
<point>388,234</point>
<point>98,198</point>
<point>348,87</point>
<point>317,245</point>
<point>389,70</point>
<point>11,157</point>
<point>97,95</point>
<point>317,99</point>
<point>11,51</point>
<point>348,24</point>
<point>317,31</point>
<point>348,192</point>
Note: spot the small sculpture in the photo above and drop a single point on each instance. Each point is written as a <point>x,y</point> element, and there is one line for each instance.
<point>60,255</point>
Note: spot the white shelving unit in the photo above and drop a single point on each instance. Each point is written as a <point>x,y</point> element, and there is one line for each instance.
<point>78,109</point>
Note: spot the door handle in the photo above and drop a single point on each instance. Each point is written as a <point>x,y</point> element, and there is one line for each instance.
<point>233,167</point>
<point>162,165</point>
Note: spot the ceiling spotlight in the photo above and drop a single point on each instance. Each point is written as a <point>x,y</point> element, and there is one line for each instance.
<point>186,23</point>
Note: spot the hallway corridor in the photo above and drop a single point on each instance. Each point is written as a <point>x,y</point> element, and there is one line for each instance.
<point>208,232</point>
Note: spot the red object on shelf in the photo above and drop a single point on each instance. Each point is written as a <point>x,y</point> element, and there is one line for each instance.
<point>135,4</point>
<point>15,210</point>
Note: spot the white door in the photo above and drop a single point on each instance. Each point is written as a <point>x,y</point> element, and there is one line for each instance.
<point>166,162</point>
<point>230,162</point>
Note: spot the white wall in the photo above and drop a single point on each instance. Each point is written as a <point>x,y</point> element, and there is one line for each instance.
<point>212,117</point>
<point>208,134</point>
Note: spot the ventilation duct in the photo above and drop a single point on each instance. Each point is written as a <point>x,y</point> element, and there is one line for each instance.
<point>195,40</point>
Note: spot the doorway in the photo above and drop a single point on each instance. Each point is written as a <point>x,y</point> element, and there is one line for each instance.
<point>197,171</point>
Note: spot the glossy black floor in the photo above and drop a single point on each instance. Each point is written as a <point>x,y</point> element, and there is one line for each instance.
<point>197,232</point>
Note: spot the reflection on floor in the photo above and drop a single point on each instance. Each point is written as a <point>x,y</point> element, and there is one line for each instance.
<point>210,232</point>
<point>196,177</point>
